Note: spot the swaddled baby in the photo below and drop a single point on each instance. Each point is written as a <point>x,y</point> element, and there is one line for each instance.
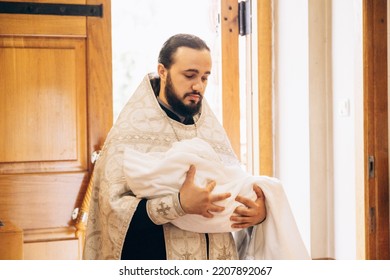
<point>155,174</point>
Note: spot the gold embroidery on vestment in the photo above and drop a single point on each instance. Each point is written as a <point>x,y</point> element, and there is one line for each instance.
<point>163,210</point>
<point>226,255</point>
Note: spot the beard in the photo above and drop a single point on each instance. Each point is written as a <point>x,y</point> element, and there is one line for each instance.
<point>177,103</point>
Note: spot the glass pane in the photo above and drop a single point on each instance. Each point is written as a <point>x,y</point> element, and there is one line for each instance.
<point>139,28</point>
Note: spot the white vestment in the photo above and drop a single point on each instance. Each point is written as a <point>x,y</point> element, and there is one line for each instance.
<point>144,127</point>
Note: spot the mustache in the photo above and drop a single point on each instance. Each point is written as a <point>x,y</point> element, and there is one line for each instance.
<point>194,93</point>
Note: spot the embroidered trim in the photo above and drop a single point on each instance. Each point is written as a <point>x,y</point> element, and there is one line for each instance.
<point>162,210</point>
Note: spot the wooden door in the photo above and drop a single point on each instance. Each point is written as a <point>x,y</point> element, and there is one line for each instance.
<point>55,110</point>
<point>376,130</point>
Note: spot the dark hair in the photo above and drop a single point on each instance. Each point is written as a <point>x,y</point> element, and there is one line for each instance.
<point>176,41</point>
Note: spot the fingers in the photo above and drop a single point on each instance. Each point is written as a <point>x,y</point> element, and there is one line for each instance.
<point>196,200</point>
<point>212,208</point>
<point>241,225</point>
<point>243,220</point>
<point>243,211</point>
<point>251,212</point>
<point>207,214</point>
<point>219,197</point>
<point>215,197</point>
<point>215,208</point>
<point>246,201</point>
<point>258,191</point>
<point>210,186</point>
<point>190,174</point>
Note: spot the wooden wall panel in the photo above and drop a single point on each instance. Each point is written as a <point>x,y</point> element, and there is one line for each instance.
<point>11,241</point>
<point>49,250</point>
<point>42,89</point>
<point>37,201</point>
<point>45,24</point>
<point>64,26</point>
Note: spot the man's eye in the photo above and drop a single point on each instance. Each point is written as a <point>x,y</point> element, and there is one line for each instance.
<point>189,76</point>
<point>204,79</point>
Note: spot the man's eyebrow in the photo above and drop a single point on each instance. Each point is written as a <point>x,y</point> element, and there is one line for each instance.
<point>196,71</point>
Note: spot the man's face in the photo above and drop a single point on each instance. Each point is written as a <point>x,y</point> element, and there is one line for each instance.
<point>184,84</point>
<point>177,102</point>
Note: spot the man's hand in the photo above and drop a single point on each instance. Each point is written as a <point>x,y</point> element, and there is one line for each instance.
<point>196,200</point>
<point>252,213</point>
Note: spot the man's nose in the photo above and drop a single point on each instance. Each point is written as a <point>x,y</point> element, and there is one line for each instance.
<point>199,86</point>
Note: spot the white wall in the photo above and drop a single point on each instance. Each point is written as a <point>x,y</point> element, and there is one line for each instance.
<point>292,156</point>
<point>348,144</point>
<point>295,146</point>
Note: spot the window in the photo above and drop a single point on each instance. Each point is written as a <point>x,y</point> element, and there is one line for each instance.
<point>139,29</point>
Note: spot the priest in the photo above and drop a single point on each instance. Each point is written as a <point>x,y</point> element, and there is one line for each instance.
<point>165,109</point>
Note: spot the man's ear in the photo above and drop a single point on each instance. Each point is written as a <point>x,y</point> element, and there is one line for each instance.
<point>162,72</point>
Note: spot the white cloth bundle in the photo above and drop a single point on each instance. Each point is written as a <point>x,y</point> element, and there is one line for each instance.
<point>156,174</point>
<point>160,173</point>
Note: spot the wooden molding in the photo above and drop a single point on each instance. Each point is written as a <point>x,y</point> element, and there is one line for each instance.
<point>230,73</point>
<point>49,234</point>
<point>265,81</point>
<point>100,109</point>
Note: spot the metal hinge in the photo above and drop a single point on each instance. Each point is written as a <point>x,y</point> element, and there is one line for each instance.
<point>32,8</point>
<point>244,17</point>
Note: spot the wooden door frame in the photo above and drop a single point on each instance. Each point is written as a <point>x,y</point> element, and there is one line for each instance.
<point>230,72</point>
<point>100,108</point>
<point>376,185</point>
<point>231,80</point>
<point>100,101</point>
<point>265,86</point>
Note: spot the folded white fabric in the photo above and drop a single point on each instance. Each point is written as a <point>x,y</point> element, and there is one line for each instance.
<point>156,174</point>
